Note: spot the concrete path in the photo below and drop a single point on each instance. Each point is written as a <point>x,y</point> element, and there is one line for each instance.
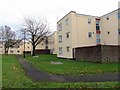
<point>37,75</point>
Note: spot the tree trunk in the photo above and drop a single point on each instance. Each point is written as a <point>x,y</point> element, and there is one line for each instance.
<point>33,51</point>
<point>6,50</point>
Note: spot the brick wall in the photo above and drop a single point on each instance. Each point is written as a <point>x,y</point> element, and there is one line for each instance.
<point>103,53</point>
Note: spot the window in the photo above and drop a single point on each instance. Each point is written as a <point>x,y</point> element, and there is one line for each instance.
<point>18,46</point>
<point>60,26</point>
<point>98,36</point>
<point>68,34</point>
<point>68,48</point>
<point>97,22</point>
<point>97,27</point>
<point>18,51</point>
<point>90,34</point>
<point>119,31</point>
<point>11,51</point>
<point>67,21</point>
<point>98,41</point>
<point>60,50</point>
<point>12,47</point>
<point>27,47</point>
<point>28,43</point>
<point>89,21</point>
<point>60,38</point>
<point>108,32</point>
<point>0,46</point>
<point>118,15</point>
<point>107,18</point>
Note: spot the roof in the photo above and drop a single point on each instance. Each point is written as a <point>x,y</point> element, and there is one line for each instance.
<point>110,12</point>
<point>87,15</point>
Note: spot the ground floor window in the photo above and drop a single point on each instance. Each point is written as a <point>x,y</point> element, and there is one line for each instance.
<point>18,51</point>
<point>60,50</point>
<point>68,48</point>
<point>11,51</point>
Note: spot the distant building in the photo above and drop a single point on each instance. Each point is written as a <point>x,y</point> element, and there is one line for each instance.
<point>2,50</point>
<point>52,43</point>
<point>89,38</point>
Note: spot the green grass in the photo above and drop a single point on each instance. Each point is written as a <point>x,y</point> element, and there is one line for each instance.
<point>13,76</point>
<point>71,67</point>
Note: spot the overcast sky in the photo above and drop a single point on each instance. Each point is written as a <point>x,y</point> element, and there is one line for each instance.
<point>13,11</point>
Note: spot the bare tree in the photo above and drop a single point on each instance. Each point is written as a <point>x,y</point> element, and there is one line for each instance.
<point>36,31</point>
<point>8,38</point>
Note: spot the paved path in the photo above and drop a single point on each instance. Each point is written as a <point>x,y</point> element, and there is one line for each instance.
<point>38,75</point>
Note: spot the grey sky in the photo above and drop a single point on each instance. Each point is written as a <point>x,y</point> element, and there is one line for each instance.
<point>13,11</point>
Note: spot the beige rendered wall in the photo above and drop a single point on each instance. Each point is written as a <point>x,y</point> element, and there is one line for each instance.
<point>15,50</point>
<point>28,47</point>
<point>82,30</point>
<point>66,42</point>
<point>110,26</point>
<point>40,46</point>
<point>52,42</point>
<point>2,50</point>
<point>78,27</point>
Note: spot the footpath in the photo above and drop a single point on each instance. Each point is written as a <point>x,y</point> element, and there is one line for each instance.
<point>37,75</point>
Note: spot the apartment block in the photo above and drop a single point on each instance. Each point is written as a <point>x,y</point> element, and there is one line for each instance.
<point>19,48</point>
<point>52,43</point>
<point>2,50</point>
<point>89,38</point>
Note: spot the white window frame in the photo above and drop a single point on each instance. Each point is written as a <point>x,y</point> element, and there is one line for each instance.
<point>68,48</point>
<point>60,26</point>
<point>89,34</point>
<point>89,21</point>
<point>68,33</point>
<point>60,50</point>
<point>60,38</point>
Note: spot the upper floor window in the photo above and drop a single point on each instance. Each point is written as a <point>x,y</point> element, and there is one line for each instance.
<point>18,46</point>
<point>97,22</point>
<point>118,15</point>
<point>119,31</point>
<point>60,26</point>
<point>68,34</point>
<point>1,47</point>
<point>97,27</point>
<point>89,21</point>
<point>107,18</point>
<point>90,34</point>
<point>67,21</point>
<point>60,38</point>
<point>108,32</point>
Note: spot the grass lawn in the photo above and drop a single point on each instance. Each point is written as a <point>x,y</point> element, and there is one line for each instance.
<point>71,67</point>
<point>13,76</point>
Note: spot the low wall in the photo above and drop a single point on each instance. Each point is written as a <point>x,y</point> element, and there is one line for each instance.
<point>102,53</point>
<point>42,51</point>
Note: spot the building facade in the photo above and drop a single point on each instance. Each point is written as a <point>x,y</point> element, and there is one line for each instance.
<point>2,50</point>
<point>19,48</point>
<point>52,43</point>
<point>90,38</point>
